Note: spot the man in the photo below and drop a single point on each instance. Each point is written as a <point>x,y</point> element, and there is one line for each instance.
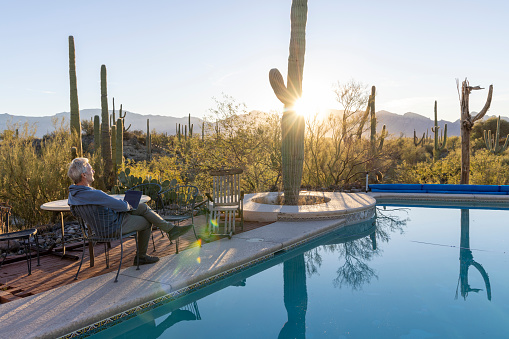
<point>140,220</point>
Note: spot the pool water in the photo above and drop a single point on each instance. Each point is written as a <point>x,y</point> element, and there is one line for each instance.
<point>420,273</point>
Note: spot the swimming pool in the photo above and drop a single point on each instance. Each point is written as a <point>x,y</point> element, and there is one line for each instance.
<point>420,273</point>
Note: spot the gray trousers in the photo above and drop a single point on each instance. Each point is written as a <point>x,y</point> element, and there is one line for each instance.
<point>141,220</point>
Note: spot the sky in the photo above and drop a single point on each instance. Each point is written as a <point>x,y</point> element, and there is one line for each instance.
<point>173,58</point>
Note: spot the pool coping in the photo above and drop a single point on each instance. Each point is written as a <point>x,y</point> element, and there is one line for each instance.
<point>476,199</point>
<point>74,310</point>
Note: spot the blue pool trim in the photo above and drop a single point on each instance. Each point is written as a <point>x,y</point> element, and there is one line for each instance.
<point>441,188</point>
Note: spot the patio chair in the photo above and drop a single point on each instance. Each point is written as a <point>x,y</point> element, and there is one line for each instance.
<point>226,201</point>
<point>25,236</point>
<point>153,190</point>
<point>178,204</point>
<point>101,224</point>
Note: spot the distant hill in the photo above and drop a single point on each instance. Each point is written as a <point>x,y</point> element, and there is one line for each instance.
<point>162,124</point>
<point>405,124</point>
<point>396,124</point>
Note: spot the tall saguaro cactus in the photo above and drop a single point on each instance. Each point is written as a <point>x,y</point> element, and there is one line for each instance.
<point>292,124</point>
<point>75,109</point>
<point>105,130</point>
<point>439,143</point>
<point>467,123</point>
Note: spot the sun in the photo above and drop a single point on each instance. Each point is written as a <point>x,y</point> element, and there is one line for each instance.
<point>307,107</point>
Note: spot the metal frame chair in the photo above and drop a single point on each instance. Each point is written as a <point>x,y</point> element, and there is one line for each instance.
<point>226,201</point>
<point>153,190</point>
<point>101,224</point>
<point>26,236</point>
<point>178,204</point>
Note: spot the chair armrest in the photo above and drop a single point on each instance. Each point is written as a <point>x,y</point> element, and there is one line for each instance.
<point>209,197</point>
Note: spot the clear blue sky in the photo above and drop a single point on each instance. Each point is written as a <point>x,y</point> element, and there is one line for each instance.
<point>171,57</point>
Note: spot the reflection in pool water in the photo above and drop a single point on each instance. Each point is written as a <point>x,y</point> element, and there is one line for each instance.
<point>395,279</point>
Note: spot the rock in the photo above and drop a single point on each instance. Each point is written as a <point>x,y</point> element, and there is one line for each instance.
<point>13,245</point>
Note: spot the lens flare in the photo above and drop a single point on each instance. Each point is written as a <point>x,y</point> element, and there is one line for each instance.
<point>198,260</point>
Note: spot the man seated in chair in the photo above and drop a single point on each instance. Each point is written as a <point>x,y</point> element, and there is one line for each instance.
<point>140,220</point>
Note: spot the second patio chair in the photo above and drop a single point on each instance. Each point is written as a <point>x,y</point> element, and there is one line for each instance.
<point>178,204</point>
<point>226,202</point>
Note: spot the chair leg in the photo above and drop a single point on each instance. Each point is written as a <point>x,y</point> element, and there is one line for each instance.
<point>137,252</point>
<point>121,255</point>
<point>28,255</point>
<point>153,242</point>
<point>81,262</point>
<point>37,248</point>
<point>107,254</point>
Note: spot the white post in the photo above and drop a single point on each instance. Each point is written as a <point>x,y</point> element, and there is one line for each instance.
<point>367,181</point>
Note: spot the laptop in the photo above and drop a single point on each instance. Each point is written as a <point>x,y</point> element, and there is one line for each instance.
<point>133,198</point>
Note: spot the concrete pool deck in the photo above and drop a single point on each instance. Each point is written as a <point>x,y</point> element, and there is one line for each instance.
<point>66,309</point>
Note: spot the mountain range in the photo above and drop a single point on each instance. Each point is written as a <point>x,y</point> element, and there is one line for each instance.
<point>397,124</point>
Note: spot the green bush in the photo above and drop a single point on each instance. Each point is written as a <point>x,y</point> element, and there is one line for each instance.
<point>33,172</point>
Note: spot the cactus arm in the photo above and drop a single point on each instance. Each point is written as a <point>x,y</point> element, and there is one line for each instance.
<point>486,105</point>
<point>113,113</point>
<point>506,144</point>
<point>383,134</point>
<point>418,142</point>
<point>278,85</point>
<point>487,139</point>
<point>444,139</point>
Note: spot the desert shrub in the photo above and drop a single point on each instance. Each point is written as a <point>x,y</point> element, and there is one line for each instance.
<point>87,127</point>
<point>31,176</point>
<point>487,168</point>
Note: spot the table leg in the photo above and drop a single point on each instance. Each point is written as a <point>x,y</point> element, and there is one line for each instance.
<point>63,239</point>
<point>63,254</point>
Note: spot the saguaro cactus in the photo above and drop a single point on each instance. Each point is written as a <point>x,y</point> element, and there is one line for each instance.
<point>120,144</point>
<point>97,133</point>
<point>492,144</point>
<point>105,130</point>
<point>418,142</point>
<point>439,143</point>
<point>375,149</point>
<point>467,123</point>
<point>148,141</point>
<point>75,109</point>
<point>292,124</point>
<point>366,113</point>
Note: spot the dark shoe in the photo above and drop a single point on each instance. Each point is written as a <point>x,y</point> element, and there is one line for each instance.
<point>146,259</point>
<point>177,231</point>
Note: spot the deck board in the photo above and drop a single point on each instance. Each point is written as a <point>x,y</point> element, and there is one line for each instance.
<point>55,272</point>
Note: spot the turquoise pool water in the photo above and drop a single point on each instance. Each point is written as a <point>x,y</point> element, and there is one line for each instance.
<point>418,273</point>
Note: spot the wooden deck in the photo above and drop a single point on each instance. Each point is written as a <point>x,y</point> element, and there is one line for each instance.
<point>55,271</point>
